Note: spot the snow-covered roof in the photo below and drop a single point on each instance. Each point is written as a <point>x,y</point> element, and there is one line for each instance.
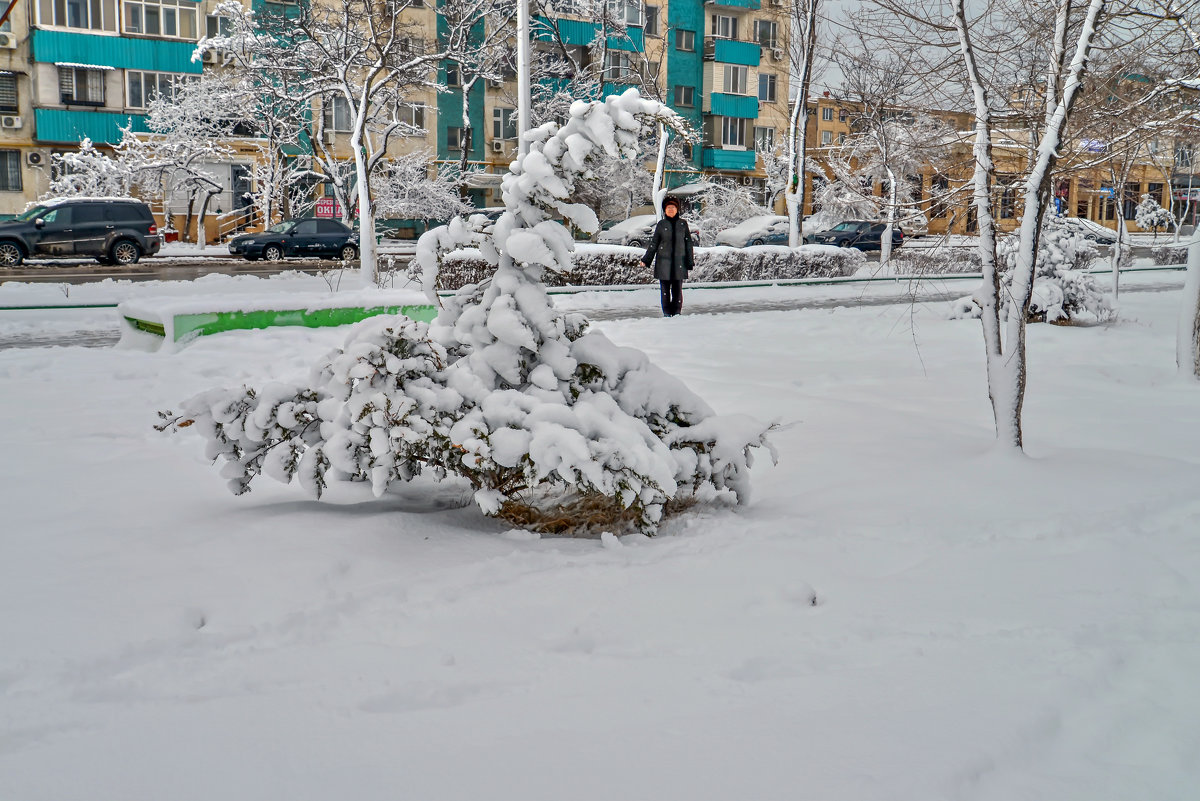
<point>83,66</point>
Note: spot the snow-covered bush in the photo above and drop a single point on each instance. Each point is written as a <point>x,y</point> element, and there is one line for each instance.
<point>935,261</point>
<point>1170,255</point>
<point>1150,216</point>
<point>620,266</point>
<point>1063,291</point>
<point>553,426</point>
<point>769,263</point>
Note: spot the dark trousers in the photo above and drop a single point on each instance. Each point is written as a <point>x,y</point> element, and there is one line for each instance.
<point>672,297</point>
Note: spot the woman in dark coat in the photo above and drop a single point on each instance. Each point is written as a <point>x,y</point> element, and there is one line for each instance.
<point>671,252</point>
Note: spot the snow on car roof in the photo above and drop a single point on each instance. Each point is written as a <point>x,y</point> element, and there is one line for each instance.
<point>755,222</point>
<point>634,223</point>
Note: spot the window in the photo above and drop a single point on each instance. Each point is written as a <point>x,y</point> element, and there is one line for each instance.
<point>414,115</point>
<point>215,26</point>
<point>764,139</point>
<point>939,196</point>
<point>1155,191</point>
<point>453,77</point>
<point>1108,209</point>
<point>330,227</point>
<point>766,87</point>
<point>144,87</point>
<point>826,137</point>
<point>1183,156</point>
<point>651,28</point>
<point>724,27</point>
<point>841,115</point>
<point>504,123</point>
<point>1133,196</point>
<point>685,96</point>
<point>81,86</point>
<point>174,18</point>
<point>1008,196</point>
<point>841,137</point>
<point>735,78</point>
<point>766,33</point>
<point>627,11</point>
<point>10,171</point>
<point>8,94</point>
<point>337,114</point>
<point>617,65</point>
<point>306,227</point>
<point>685,40</point>
<point>454,138</point>
<point>827,114</point>
<point>733,132</point>
<point>95,15</point>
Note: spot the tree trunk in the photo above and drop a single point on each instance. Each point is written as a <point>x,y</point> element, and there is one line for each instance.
<point>797,144</point>
<point>1187,344</point>
<point>367,254</point>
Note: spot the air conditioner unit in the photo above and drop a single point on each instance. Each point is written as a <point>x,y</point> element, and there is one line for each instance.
<point>777,3</point>
<point>9,121</point>
<point>8,41</point>
<point>777,54</point>
<point>210,57</point>
<point>747,180</point>
<point>495,83</point>
<point>328,137</point>
<point>34,158</point>
<point>497,146</point>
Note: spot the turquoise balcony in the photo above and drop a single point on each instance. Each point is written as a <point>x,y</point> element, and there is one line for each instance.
<point>731,51</point>
<point>102,127</point>
<point>724,105</point>
<point>717,159</point>
<point>114,51</point>
<point>579,32</point>
<point>753,5</point>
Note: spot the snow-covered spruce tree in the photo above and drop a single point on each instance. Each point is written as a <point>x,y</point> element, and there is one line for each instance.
<point>1149,215</point>
<point>554,426</point>
<point>1064,291</point>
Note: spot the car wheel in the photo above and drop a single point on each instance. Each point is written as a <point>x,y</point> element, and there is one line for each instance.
<point>124,252</point>
<point>273,253</point>
<point>635,243</point>
<point>11,254</point>
<point>349,253</point>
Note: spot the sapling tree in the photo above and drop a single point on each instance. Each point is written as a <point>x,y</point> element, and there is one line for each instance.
<point>551,425</point>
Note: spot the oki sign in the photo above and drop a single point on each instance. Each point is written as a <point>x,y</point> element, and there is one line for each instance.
<point>328,207</point>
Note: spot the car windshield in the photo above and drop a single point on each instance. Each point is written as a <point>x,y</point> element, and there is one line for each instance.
<point>846,226</point>
<point>26,216</point>
<point>281,228</point>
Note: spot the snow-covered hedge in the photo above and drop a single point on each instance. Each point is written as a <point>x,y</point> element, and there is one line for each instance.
<point>552,425</point>
<point>617,266</point>
<point>1063,291</point>
<point>1170,255</point>
<point>935,261</point>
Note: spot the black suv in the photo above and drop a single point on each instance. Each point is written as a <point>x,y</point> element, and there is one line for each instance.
<point>110,230</point>
<point>859,234</point>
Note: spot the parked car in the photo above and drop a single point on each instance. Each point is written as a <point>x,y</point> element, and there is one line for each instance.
<point>1087,229</point>
<point>861,234</point>
<point>634,232</point>
<point>305,238</point>
<point>766,229</point>
<point>110,230</point>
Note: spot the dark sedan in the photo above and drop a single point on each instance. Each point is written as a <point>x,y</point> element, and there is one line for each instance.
<point>859,234</point>
<point>311,238</point>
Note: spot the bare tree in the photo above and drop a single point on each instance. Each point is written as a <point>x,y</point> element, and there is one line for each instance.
<point>803,18</point>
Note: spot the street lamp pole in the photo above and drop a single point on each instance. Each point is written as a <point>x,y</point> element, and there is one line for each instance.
<point>524,31</point>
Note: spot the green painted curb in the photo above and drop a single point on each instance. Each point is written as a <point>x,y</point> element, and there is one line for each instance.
<point>215,322</point>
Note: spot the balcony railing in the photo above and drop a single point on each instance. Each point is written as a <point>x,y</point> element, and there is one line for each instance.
<point>732,51</point>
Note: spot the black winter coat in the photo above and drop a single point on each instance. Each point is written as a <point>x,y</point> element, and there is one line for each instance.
<point>671,243</point>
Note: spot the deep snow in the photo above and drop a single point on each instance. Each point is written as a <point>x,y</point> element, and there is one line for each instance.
<point>900,613</point>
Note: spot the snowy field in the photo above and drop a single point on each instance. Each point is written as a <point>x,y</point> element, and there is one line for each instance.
<point>900,614</point>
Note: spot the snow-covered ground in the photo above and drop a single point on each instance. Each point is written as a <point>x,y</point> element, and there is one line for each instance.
<point>900,613</point>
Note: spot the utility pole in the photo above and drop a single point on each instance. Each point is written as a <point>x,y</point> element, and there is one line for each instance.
<point>524,30</point>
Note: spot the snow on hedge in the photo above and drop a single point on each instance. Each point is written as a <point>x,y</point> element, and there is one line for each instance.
<point>553,426</point>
